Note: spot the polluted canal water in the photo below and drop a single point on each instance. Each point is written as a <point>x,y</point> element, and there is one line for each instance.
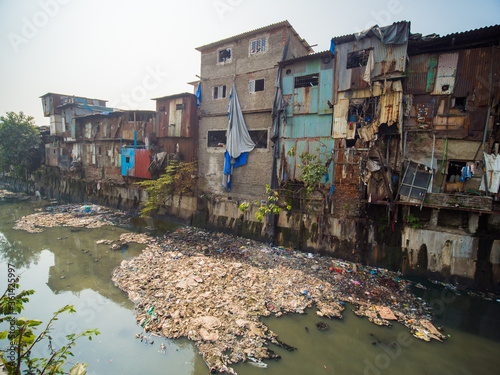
<point>65,265</point>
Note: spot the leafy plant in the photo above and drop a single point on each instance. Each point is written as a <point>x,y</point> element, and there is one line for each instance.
<point>273,205</point>
<point>312,170</point>
<point>22,338</point>
<point>414,221</point>
<point>179,179</point>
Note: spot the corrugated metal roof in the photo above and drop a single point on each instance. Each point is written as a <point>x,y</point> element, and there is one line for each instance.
<point>115,111</point>
<point>174,96</point>
<point>72,96</point>
<point>253,32</point>
<point>477,38</point>
<point>307,57</point>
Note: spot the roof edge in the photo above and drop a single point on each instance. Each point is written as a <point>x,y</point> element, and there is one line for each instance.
<point>270,27</point>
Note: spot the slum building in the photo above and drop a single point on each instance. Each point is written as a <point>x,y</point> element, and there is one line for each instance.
<point>343,107</point>
<point>451,137</point>
<point>62,110</point>
<point>110,147</point>
<point>177,128</point>
<point>248,60</point>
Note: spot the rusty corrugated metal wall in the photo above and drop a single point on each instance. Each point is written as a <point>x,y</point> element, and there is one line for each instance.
<point>450,78</point>
<point>142,161</point>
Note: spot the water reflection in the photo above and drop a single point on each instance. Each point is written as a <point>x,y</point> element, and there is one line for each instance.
<point>66,266</point>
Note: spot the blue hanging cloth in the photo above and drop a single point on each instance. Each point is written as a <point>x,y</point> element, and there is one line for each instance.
<point>198,95</point>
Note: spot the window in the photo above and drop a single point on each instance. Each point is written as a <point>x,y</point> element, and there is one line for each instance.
<point>219,92</point>
<point>460,103</point>
<point>216,138</point>
<point>127,159</point>
<point>180,106</point>
<point>455,170</point>
<point>307,81</point>
<point>363,110</point>
<point>131,117</point>
<point>357,58</point>
<point>224,55</point>
<point>259,137</point>
<point>100,150</point>
<point>258,45</point>
<point>256,85</point>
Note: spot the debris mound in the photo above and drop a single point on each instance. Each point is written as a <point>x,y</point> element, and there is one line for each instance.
<point>212,288</point>
<point>86,216</point>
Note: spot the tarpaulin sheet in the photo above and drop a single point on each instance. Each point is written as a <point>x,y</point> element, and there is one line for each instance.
<point>239,143</point>
<point>396,33</point>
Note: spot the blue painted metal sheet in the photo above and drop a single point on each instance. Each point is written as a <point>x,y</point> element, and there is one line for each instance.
<point>317,126</point>
<point>325,91</point>
<point>305,100</point>
<point>313,66</point>
<point>298,126</point>
<point>128,161</point>
<point>288,85</point>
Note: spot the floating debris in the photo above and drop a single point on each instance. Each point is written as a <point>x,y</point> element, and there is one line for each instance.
<point>322,326</point>
<point>87,216</point>
<point>213,288</point>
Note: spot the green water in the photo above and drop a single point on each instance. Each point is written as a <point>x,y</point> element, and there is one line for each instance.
<point>66,266</point>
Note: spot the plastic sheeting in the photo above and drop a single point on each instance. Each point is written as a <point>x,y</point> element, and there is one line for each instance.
<point>397,33</point>
<point>492,173</point>
<point>239,143</point>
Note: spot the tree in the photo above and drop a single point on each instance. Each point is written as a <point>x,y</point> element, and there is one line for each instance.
<point>22,338</point>
<point>19,143</point>
<point>179,179</point>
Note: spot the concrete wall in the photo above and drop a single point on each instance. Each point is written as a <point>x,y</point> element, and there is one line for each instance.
<point>248,180</point>
<point>449,254</point>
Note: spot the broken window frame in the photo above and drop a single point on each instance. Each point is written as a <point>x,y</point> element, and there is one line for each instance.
<point>216,90</point>
<point>258,45</point>
<point>256,85</point>
<point>369,108</point>
<point>356,59</point>
<point>216,138</point>
<point>259,137</point>
<point>415,183</point>
<point>308,80</point>
<point>224,55</point>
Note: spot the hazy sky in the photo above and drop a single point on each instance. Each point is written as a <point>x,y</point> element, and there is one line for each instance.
<point>129,51</point>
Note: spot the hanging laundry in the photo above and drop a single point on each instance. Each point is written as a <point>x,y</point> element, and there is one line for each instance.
<point>239,143</point>
<point>466,173</point>
<point>492,173</point>
<point>198,95</point>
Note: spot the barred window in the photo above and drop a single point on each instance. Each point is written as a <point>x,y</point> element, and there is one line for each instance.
<point>307,81</point>
<point>257,45</point>
<point>357,58</point>
<point>256,85</point>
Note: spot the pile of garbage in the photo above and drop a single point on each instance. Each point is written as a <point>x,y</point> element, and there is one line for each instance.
<point>212,288</point>
<point>6,195</point>
<point>88,216</point>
